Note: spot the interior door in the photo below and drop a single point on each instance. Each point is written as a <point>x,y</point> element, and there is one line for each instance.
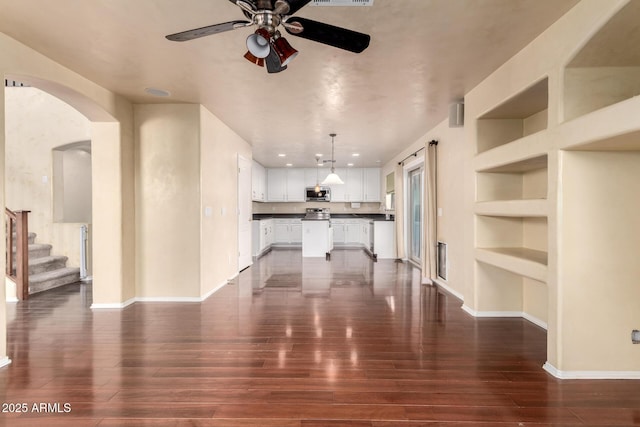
<point>244,213</point>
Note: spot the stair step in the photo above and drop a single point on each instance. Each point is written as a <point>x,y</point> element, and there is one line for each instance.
<point>39,250</point>
<point>31,237</point>
<point>53,279</point>
<point>48,263</point>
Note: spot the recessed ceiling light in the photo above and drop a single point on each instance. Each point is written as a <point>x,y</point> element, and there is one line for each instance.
<point>282,155</point>
<point>356,154</point>
<point>289,164</point>
<point>157,92</point>
<point>378,161</point>
<point>320,164</point>
<point>318,155</point>
<point>349,164</point>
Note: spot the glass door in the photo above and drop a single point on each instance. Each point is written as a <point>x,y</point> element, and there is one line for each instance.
<point>415,214</point>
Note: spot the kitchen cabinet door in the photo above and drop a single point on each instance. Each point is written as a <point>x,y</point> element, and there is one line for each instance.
<point>258,182</point>
<point>277,185</point>
<point>338,233</point>
<point>353,185</point>
<point>353,233</point>
<point>281,232</point>
<point>371,185</point>
<point>296,232</point>
<point>295,185</point>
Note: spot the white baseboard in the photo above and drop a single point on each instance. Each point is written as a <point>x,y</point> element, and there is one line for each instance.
<point>163,299</point>
<point>449,289</point>
<point>113,306</point>
<point>11,299</point>
<point>509,314</point>
<point>5,361</point>
<point>591,375</point>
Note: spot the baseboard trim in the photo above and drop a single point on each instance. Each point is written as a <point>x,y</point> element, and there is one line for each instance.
<point>506,314</point>
<point>5,361</point>
<point>449,289</point>
<point>119,306</point>
<point>11,299</point>
<point>217,288</point>
<point>535,321</point>
<point>113,306</point>
<point>591,375</point>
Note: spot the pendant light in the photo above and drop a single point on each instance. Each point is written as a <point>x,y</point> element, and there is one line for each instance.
<point>332,178</point>
<point>317,187</point>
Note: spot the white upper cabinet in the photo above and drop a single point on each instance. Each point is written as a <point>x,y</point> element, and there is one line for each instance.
<point>351,190</point>
<point>371,185</point>
<point>289,184</point>
<point>295,185</point>
<point>258,182</point>
<point>276,185</point>
<point>285,185</point>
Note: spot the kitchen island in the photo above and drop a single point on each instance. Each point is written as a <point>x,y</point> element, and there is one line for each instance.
<point>317,238</point>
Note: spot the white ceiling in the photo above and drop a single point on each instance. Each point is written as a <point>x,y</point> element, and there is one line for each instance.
<point>424,54</point>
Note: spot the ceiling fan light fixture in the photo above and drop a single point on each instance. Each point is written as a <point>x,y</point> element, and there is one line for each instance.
<point>284,50</point>
<point>251,58</point>
<point>258,43</point>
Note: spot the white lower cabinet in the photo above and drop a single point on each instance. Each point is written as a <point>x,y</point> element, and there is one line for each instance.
<point>288,231</point>
<point>339,236</point>
<point>263,235</point>
<point>353,232</point>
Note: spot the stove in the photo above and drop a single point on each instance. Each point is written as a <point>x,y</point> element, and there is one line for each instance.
<point>317,213</point>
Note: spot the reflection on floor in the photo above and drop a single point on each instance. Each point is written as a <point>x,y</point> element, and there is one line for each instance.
<point>294,342</point>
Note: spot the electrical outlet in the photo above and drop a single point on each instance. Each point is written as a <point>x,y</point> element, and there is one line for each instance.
<point>635,336</point>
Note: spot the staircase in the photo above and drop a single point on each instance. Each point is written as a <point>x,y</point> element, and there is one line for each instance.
<point>48,271</point>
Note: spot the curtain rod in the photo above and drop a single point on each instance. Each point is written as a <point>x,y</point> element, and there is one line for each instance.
<point>415,154</point>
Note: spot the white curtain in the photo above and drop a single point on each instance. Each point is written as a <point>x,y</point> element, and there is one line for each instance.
<point>399,209</point>
<point>429,241</point>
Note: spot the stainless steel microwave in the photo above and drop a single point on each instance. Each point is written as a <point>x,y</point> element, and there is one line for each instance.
<point>324,195</point>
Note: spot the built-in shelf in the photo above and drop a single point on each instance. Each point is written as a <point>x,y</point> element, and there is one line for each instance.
<point>612,128</point>
<point>523,180</point>
<point>607,69</point>
<point>523,114</point>
<point>513,208</point>
<point>522,261</point>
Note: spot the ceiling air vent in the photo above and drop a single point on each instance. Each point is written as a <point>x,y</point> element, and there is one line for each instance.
<point>342,2</point>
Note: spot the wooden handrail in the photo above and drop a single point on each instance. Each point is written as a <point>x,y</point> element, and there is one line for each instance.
<point>17,268</point>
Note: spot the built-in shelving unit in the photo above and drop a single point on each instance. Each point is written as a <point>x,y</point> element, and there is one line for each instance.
<point>511,205</point>
<point>606,70</point>
<point>555,214</point>
<point>522,115</point>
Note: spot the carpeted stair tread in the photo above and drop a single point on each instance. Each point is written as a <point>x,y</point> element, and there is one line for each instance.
<point>54,274</point>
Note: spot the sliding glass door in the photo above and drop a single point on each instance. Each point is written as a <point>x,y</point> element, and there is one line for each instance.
<point>415,214</point>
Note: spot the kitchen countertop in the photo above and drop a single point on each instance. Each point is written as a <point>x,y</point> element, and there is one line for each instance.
<point>374,217</point>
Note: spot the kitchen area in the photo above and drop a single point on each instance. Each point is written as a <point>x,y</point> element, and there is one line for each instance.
<point>291,210</point>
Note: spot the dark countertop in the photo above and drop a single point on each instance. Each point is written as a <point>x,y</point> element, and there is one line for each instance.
<point>374,217</point>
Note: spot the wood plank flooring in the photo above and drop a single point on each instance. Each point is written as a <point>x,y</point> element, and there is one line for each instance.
<point>293,342</point>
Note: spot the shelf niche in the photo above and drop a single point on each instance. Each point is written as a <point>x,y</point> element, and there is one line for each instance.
<point>607,69</point>
<point>522,115</point>
<point>522,180</point>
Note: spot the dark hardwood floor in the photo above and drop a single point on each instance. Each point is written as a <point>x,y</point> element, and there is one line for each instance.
<point>292,343</point>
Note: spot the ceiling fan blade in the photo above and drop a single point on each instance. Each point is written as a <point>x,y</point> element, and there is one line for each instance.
<point>207,31</point>
<point>341,38</point>
<point>272,62</point>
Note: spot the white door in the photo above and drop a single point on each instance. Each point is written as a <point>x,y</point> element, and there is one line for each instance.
<point>244,213</point>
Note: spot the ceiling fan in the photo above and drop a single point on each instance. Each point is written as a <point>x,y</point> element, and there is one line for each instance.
<point>266,46</point>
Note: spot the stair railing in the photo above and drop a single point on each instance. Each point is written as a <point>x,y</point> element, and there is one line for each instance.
<point>17,268</point>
